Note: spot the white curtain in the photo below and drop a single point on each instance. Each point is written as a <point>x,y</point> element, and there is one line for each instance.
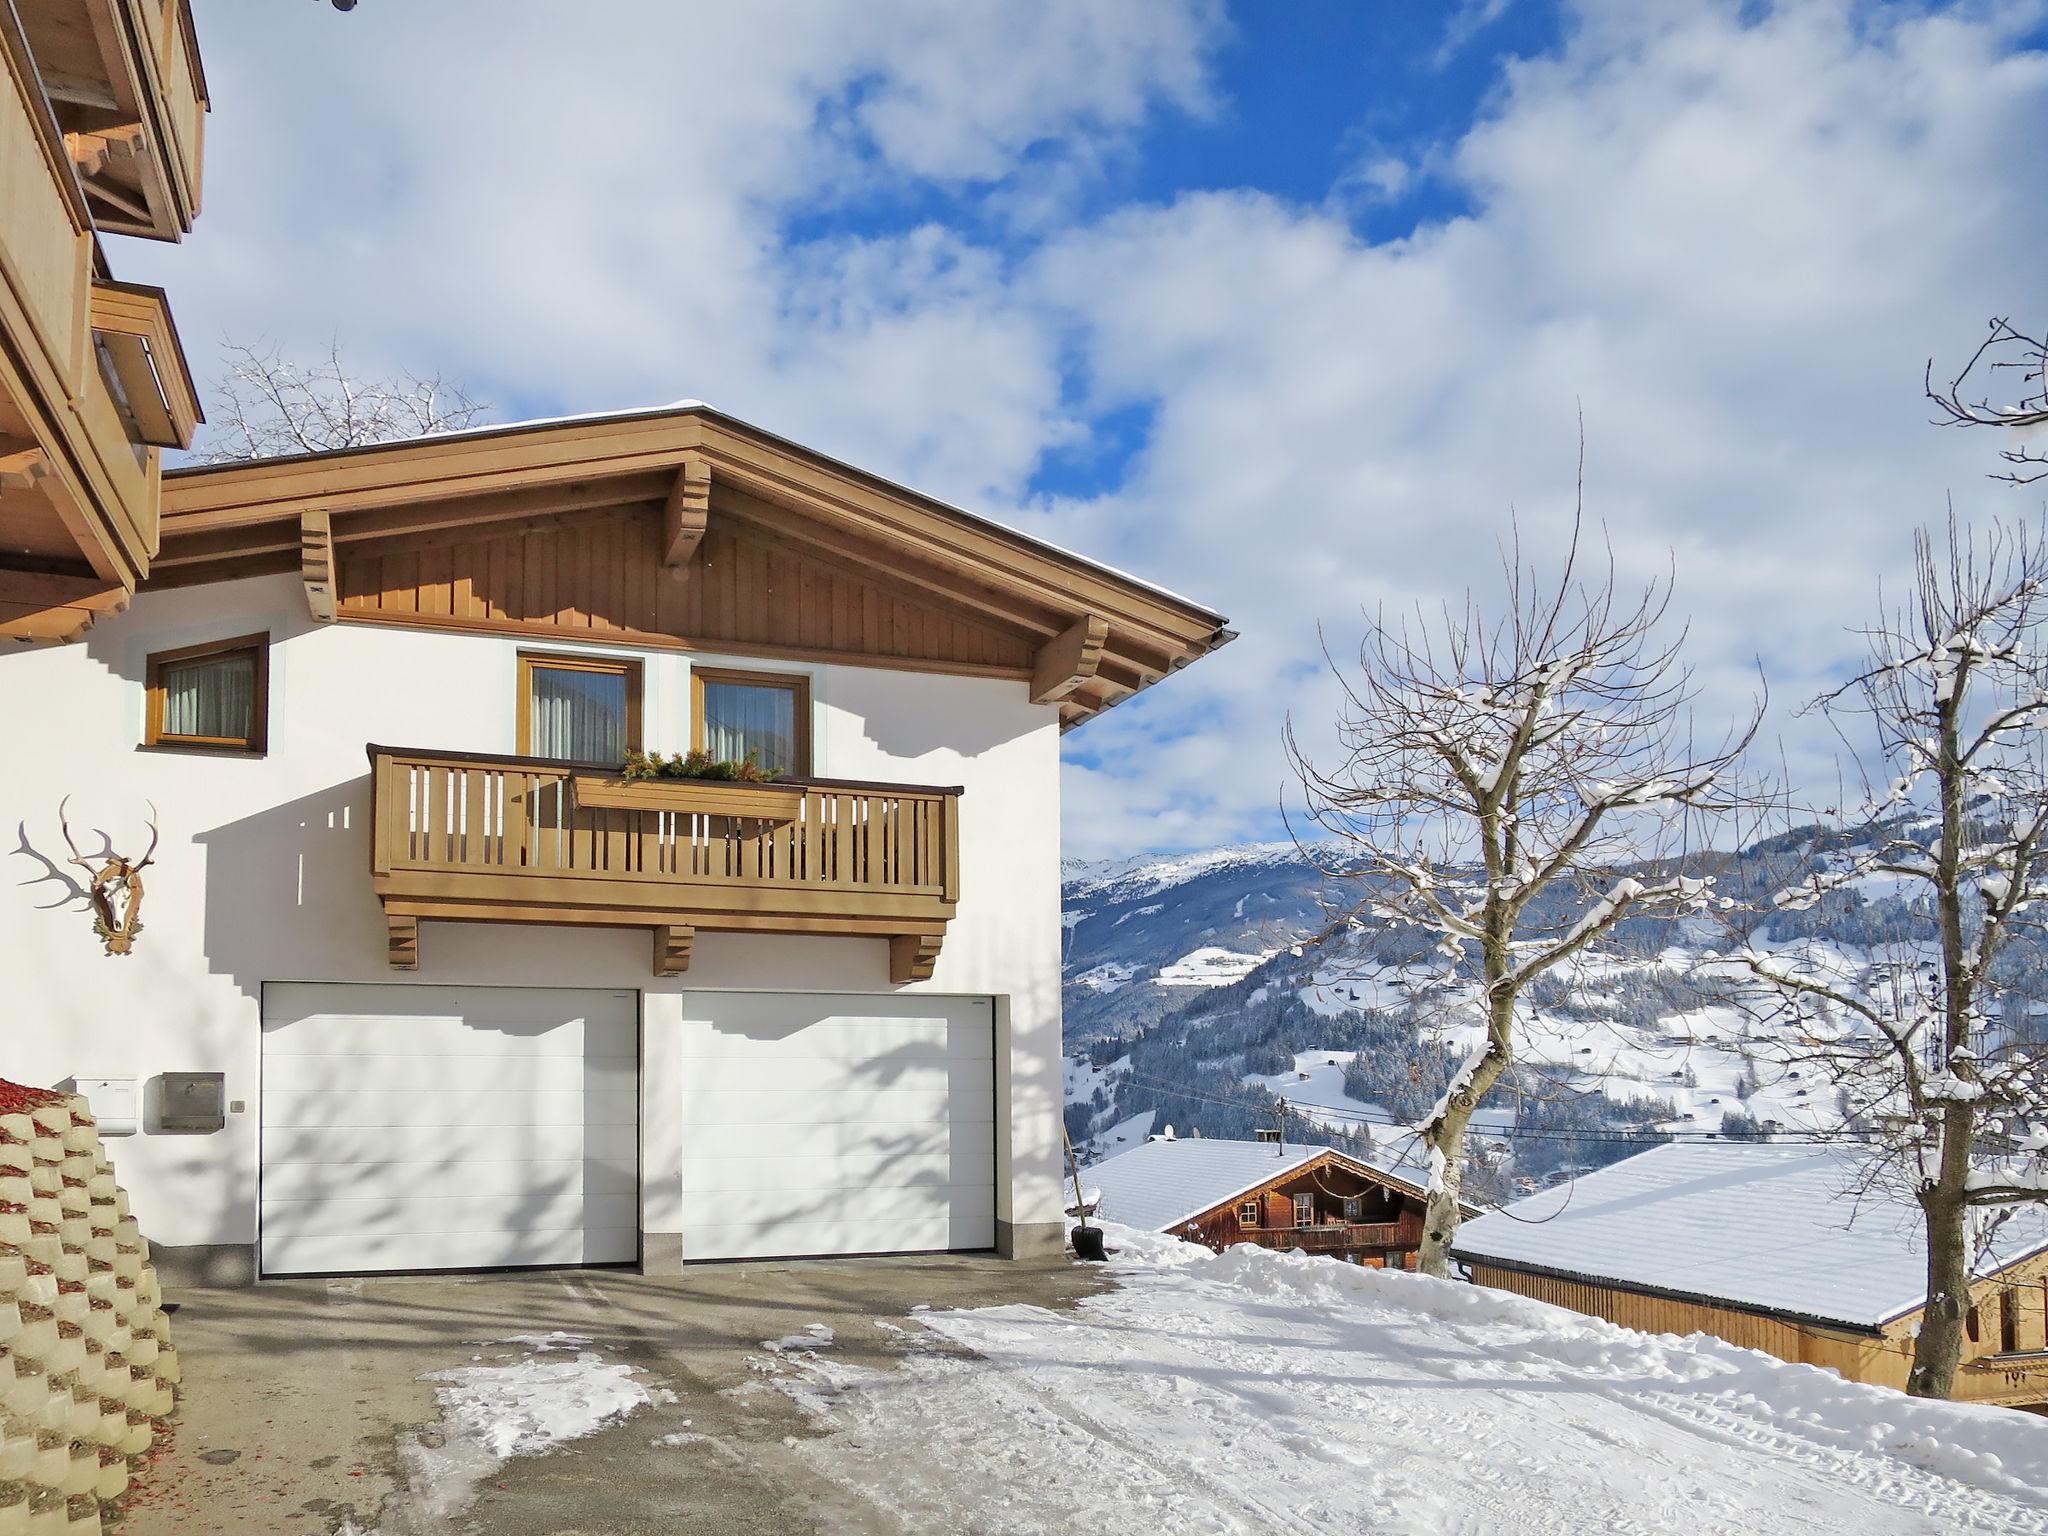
<point>579,716</point>
<point>214,698</point>
<point>740,718</point>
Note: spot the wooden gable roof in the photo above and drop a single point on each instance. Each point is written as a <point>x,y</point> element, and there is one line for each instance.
<point>679,527</point>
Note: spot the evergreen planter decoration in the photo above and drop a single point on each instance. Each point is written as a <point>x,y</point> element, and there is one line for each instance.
<point>692,784</point>
<point>699,797</point>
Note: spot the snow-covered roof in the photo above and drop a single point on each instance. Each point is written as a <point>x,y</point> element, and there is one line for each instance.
<point>1776,1229</point>
<point>1164,1183</point>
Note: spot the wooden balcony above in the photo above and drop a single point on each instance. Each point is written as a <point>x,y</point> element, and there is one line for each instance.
<point>471,837</point>
<point>92,380</point>
<point>123,79</point>
<point>143,364</point>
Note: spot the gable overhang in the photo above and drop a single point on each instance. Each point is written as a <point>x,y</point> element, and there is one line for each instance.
<point>1083,636</point>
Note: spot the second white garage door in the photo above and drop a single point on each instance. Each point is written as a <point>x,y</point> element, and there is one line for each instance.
<point>420,1127</point>
<point>815,1124</point>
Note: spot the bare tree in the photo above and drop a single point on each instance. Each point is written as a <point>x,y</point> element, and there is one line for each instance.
<point>2006,353</point>
<point>1514,788</point>
<point>265,406</point>
<point>1950,1102</point>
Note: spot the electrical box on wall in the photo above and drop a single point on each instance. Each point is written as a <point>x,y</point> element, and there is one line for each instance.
<point>116,1103</point>
<point>193,1101</point>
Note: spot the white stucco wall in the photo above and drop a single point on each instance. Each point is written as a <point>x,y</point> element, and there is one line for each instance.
<point>262,874</point>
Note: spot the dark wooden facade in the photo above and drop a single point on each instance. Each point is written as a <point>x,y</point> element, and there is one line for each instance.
<point>1330,1205</point>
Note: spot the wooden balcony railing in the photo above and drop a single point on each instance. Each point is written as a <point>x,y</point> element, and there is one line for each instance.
<point>1323,1239</point>
<point>482,838</point>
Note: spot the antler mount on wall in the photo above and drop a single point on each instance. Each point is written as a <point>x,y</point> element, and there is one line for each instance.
<point>115,886</point>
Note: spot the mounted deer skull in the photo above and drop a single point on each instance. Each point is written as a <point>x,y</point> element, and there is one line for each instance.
<point>116,878</point>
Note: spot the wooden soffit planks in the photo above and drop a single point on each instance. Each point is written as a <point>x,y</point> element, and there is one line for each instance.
<point>604,576</point>
<point>720,535</point>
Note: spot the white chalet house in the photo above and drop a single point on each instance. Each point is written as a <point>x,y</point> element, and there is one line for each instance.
<point>423,980</point>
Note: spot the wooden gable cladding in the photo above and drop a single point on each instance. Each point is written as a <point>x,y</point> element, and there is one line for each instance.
<point>823,560</point>
<point>602,576</point>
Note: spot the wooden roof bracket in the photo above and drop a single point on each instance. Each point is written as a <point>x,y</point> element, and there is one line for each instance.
<point>686,513</point>
<point>1069,659</point>
<point>316,563</point>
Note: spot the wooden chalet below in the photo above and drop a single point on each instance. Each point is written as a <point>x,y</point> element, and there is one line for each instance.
<point>1332,1206</point>
<point>472,837</point>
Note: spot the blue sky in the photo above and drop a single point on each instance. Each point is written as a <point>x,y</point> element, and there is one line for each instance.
<point>1284,306</point>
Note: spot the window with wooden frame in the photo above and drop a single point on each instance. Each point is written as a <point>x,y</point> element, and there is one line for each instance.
<point>766,714</point>
<point>1354,1207</point>
<point>1304,1210</point>
<point>579,709</point>
<point>213,697</point>
<point>1248,1214</point>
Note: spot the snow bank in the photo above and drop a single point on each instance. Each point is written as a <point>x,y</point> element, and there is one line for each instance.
<point>1253,1391</point>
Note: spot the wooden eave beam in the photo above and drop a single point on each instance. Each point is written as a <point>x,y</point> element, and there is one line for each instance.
<point>316,564</point>
<point>1069,659</point>
<point>185,546</point>
<point>686,513</point>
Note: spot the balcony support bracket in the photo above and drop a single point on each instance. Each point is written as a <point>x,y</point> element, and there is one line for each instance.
<point>687,512</point>
<point>913,957</point>
<point>316,563</point>
<point>404,933</point>
<point>672,945</point>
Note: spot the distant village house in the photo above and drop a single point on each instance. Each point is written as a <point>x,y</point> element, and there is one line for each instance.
<point>1218,1193</point>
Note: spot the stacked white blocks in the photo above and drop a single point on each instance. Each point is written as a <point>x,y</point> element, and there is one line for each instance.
<point>87,1372</point>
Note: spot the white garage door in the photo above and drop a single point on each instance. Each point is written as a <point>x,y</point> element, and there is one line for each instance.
<point>410,1127</point>
<point>836,1124</point>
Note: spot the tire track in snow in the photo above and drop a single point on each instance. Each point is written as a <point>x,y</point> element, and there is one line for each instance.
<point>1249,1394</point>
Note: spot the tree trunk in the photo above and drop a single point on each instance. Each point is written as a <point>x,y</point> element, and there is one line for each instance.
<point>1446,1137</point>
<point>1938,1350</point>
<point>1440,1211</point>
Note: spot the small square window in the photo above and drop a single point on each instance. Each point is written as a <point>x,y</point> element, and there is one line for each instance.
<point>765,715</point>
<point>1354,1207</point>
<point>213,696</point>
<point>1248,1214</point>
<point>579,709</point>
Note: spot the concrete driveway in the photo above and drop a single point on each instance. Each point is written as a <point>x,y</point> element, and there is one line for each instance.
<point>302,1397</point>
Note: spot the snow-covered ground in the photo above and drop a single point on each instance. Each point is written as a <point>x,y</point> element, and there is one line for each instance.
<point>1315,1088</point>
<point>1209,966</point>
<point>1261,1392</point>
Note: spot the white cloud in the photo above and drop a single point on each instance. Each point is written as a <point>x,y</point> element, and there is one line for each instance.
<point>580,207</point>
<point>1734,243</point>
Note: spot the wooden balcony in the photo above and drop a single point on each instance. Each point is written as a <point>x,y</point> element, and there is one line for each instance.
<point>92,381</point>
<point>1334,1238</point>
<point>478,838</point>
<point>123,80</point>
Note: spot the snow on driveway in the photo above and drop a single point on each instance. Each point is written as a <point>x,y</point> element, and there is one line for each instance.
<point>1263,1392</point>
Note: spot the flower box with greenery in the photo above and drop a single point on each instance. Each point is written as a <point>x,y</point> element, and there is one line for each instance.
<point>692,782</point>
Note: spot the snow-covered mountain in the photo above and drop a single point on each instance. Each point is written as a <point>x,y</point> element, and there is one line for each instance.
<point>1193,998</point>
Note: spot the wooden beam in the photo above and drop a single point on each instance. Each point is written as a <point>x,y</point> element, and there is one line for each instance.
<point>672,945</point>
<point>404,936</point>
<point>316,564</point>
<point>40,589</point>
<point>21,467</point>
<point>1069,659</point>
<point>471,517</point>
<point>686,513</point>
<point>913,956</point>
